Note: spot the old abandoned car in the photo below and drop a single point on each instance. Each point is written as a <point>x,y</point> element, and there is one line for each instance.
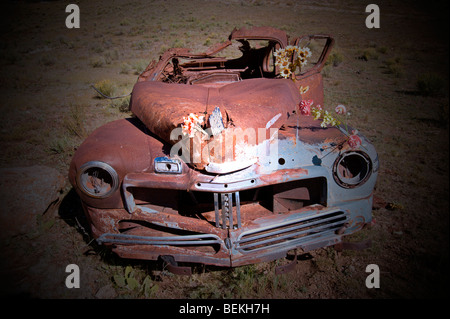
<point>228,161</point>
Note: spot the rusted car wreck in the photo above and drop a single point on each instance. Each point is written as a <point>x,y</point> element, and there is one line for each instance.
<point>219,166</point>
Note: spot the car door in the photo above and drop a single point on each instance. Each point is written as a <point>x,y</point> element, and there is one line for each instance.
<point>308,78</point>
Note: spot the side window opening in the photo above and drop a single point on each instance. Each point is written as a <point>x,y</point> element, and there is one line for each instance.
<point>319,47</point>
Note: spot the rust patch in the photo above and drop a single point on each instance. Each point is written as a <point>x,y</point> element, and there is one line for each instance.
<point>284,175</point>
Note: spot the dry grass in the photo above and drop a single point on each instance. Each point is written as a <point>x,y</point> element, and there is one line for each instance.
<point>48,109</point>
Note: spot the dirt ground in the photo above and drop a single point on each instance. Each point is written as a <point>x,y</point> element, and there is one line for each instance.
<point>48,108</point>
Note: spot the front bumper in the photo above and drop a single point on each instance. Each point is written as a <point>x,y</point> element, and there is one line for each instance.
<point>145,235</point>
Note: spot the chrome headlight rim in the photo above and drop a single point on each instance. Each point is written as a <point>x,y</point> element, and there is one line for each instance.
<point>364,171</point>
<point>87,172</point>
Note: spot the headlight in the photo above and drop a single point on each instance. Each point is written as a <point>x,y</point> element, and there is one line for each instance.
<point>352,169</point>
<point>97,179</point>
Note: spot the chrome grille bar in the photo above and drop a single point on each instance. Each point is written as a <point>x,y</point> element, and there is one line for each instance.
<point>224,214</point>
<point>201,239</point>
<point>300,230</point>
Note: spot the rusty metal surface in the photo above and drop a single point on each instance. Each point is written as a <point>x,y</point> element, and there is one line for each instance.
<point>250,103</point>
<point>259,33</point>
<point>167,233</point>
<point>205,212</point>
<point>161,97</point>
<point>279,270</point>
<point>173,267</point>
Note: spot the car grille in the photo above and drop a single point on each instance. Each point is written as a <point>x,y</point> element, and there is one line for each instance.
<point>301,230</point>
<point>224,216</point>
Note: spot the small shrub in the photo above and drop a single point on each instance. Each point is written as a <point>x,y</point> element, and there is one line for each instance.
<point>136,30</point>
<point>74,121</point>
<point>125,22</point>
<point>140,45</point>
<point>382,50</point>
<point>395,69</point>
<point>207,43</point>
<point>369,54</point>
<point>107,87</point>
<point>430,84</point>
<point>64,41</point>
<point>163,49</point>
<point>178,43</point>
<point>96,47</point>
<point>59,145</point>
<point>111,55</point>
<point>392,61</point>
<point>122,104</point>
<point>131,282</point>
<point>139,66</point>
<point>335,59</point>
<point>125,68</point>
<point>97,61</point>
<point>326,71</point>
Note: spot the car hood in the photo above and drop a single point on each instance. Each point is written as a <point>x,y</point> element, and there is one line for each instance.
<point>246,104</point>
<point>255,104</point>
